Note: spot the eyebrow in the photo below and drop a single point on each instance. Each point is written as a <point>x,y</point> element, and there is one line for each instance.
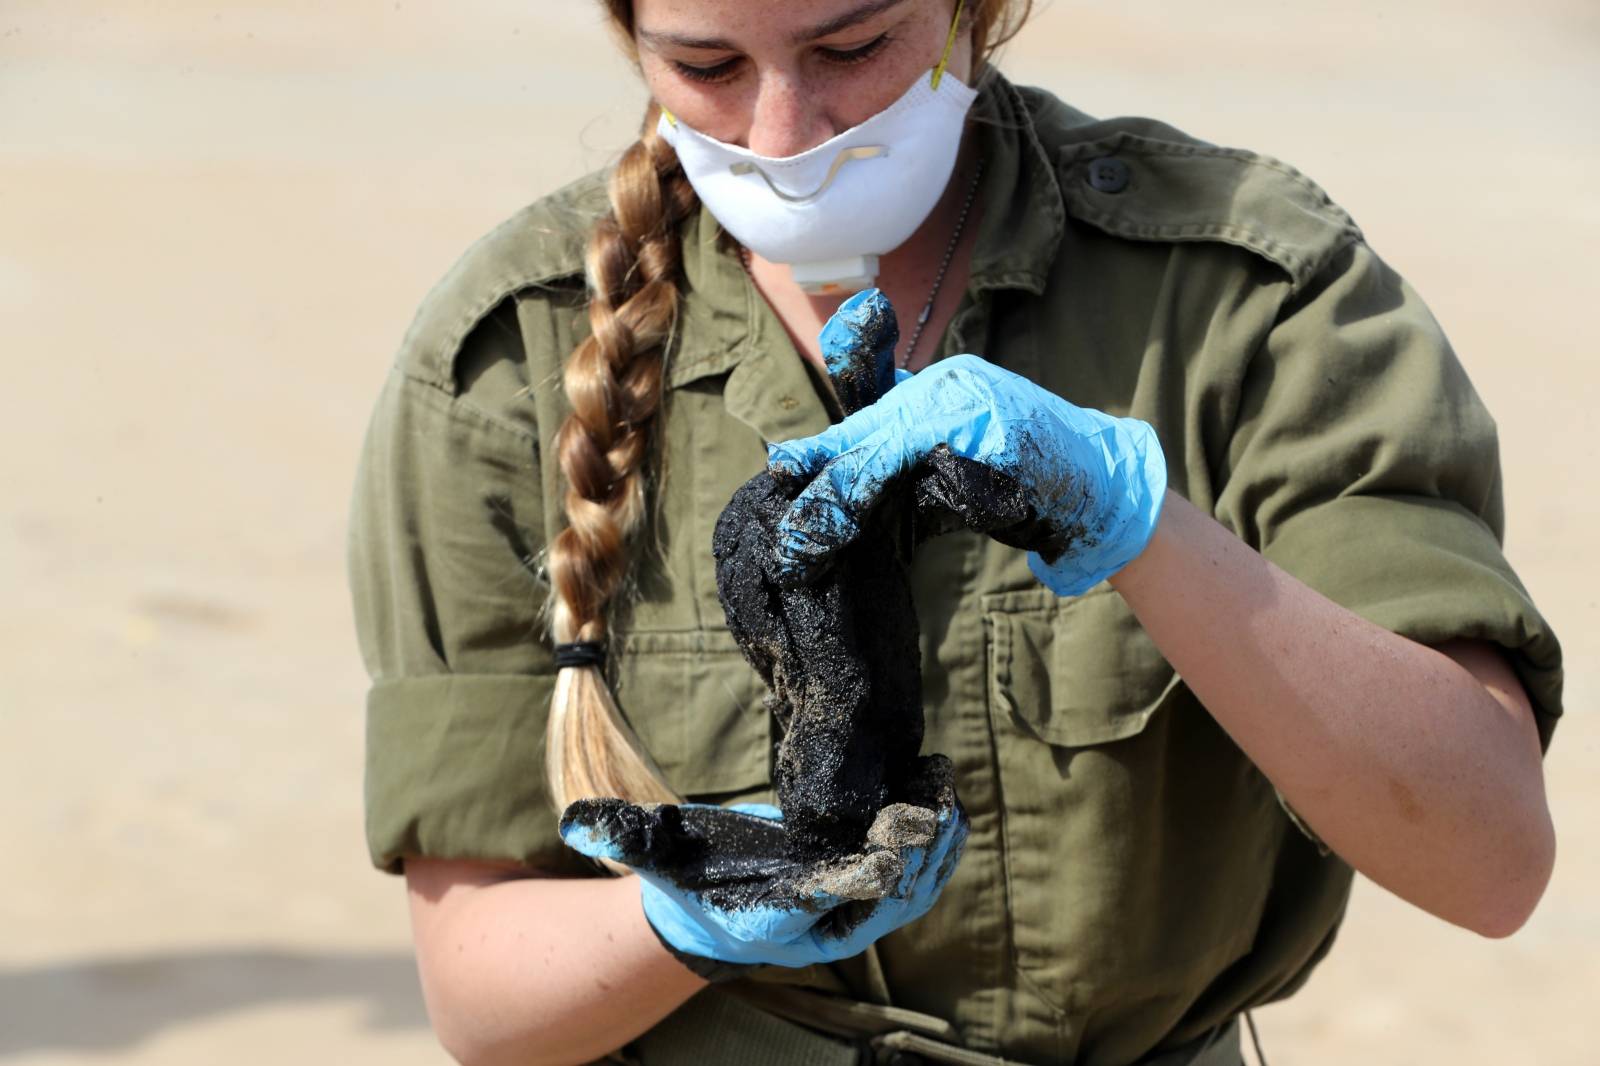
<point>845,21</point>
<point>826,29</point>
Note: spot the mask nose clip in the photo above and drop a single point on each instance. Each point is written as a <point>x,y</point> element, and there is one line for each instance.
<point>865,151</point>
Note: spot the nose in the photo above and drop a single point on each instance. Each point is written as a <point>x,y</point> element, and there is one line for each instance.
<point>786,119</point>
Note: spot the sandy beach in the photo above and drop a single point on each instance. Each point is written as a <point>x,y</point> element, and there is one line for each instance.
<point>215,223</point>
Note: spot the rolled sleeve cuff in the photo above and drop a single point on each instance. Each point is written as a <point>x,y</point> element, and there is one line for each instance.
<point>1427,569</point>
<point>455,770</point>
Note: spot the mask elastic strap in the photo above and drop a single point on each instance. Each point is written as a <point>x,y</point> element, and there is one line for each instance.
<point>949,45</point>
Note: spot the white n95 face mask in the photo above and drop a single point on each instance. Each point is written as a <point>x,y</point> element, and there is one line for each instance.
<point>831,211</point>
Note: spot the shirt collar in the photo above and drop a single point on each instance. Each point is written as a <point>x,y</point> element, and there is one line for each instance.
<point>1023,220</point>
<point>719,313</point>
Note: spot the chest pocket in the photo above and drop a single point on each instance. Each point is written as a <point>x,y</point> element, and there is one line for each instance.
<point>1082,706</point>
<point>698,709</point>
<point>1072,672</point>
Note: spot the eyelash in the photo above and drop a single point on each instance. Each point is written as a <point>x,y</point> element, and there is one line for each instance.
<point>715,73</point>
<point>850,56</point>
<point>725,70</point>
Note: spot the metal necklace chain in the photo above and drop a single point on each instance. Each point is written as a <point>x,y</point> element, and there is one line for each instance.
<point>938,279</point>
<point>944,265</point>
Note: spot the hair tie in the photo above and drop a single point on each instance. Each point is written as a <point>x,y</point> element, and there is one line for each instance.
<point>580,653</point>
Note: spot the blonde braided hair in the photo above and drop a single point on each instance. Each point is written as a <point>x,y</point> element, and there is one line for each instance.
<point>613,382</point>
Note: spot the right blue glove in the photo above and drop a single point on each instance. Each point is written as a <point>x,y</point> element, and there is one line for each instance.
<point>1090,486</point>
<point>718,888</point>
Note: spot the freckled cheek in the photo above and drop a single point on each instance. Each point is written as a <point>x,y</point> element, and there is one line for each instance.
<point>854,95</point>
<point>850,104</point>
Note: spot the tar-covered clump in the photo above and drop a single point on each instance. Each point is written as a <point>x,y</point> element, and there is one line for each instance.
<point>840,655</point>
<point>733,860</point>
<point>840,658</point>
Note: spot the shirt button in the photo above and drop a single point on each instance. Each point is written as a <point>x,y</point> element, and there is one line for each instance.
<point>1109,175</point>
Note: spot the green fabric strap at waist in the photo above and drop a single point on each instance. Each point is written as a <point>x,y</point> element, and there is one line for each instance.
<point>714,1028</point>
<point>1220,1048</point>
<point>777,1026</point>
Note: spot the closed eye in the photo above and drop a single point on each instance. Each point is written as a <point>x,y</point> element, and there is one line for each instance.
<point>716,72</point>
<point>725,70</point>
<point>860,54</point>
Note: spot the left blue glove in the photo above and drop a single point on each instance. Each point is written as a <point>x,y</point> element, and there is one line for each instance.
<point>719,890</point>
<point>1094,484</point>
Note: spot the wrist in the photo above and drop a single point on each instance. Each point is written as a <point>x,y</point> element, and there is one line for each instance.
<point>1137,568</point>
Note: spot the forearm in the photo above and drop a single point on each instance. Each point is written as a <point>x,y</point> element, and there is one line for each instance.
<point>541,971</point>
<point>1403,761</point>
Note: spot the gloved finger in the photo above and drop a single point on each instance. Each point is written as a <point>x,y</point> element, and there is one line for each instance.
<point>945,868</point>
<point>610,829</point>
<point>733,864</point>
<point>759,810</point>
<point>858,345</point>
<point>964,392</point>
<point>933,788</point>
<point>904,834</point>
<point>847,929</point>
<point>851,930</point>
<point>873,874</point>
<point>774,926</point>
<point>955,492</point>
<point>952,842</point>
<point>693,844</point>
<point>906,831</point>
<point>941,863</point>
<point>785,908</point>
<point>725,831</point>
<point>828,514</point>
<point>799,460</point>
<point>930,843</point>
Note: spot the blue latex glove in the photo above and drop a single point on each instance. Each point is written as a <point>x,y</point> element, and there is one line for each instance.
<point>716,883</point>
<point>1094,484</point>
<point>857,345</point>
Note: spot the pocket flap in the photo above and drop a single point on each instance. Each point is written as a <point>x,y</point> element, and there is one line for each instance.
<point>1074,671</point>
<point>698,707</point>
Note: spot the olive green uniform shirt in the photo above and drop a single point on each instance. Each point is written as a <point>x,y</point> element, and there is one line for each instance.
<point>1131,878</point>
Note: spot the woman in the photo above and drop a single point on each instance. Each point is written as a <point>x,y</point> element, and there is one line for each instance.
<point>1294,649</point>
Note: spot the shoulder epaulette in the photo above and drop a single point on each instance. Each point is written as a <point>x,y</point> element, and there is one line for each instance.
<point>541,245</point>
<point>1143,180</point>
